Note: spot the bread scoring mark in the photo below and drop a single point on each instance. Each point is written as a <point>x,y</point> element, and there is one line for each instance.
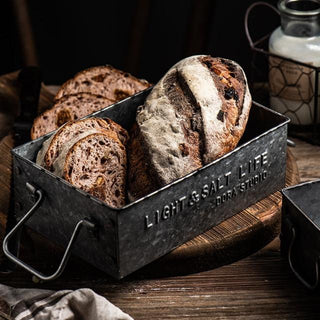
<point>231,83</point>
<point>158,137</point>
<point>200,82</point>
<point>186,110</point>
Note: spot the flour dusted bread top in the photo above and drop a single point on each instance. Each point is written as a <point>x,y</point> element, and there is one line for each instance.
<point>106,81</point>
<point>89,153</point>
<point>219,88</point>
<point>196,113</point>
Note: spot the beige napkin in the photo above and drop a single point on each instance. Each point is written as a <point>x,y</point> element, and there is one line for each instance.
<point>40,304</point>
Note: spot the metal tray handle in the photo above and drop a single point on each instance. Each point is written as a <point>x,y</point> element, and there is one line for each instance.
<point>39,194</point>
<point>296,273</point>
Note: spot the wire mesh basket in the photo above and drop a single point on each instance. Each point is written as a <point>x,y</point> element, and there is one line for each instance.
<point>289,95</point>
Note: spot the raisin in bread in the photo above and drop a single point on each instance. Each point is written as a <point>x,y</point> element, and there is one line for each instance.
<point>196,113</point>
<point>106,81</point>
<point>72,107</point>
<point>103,162</point>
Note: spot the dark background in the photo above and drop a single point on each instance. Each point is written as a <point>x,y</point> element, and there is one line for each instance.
<point>143,37</point>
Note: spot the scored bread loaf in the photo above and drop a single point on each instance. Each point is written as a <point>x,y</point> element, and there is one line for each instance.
<point>104,157</point>
<point>196,113</point>
<point>71,107</point>
<point>106,81</point>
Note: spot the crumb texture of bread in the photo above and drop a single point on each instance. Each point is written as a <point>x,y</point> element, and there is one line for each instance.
<point>88,91</point>
<point>66,109</point>
<point>195,114</point>
<point>52,148</point>
<point>104,161</point>
<point>97,164</point>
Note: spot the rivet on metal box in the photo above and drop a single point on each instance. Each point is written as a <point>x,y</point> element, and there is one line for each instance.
<point>300,231</point>
<point>126,239</point>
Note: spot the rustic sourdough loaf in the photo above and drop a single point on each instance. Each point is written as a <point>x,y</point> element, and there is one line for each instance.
<point>106,81</point>
<point>196,113</point>
<point>90,90</point>
<point>99,160</point>
<point>71,107</point>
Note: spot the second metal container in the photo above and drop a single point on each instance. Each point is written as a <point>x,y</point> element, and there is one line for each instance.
<point>300,231</point>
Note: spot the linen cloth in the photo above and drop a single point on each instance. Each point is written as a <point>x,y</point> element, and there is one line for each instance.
<point>38,304</point>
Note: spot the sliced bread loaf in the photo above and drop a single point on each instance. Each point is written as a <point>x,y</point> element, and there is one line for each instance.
<point>106,81</point>
<point>70,133</point>
<point>97,164</point>
<point>99,159</point>
<point>68,108</point>
<point>90,90</point>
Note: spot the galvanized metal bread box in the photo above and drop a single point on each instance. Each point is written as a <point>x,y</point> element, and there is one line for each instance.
<point>300,231</point>
<point>120,241</point>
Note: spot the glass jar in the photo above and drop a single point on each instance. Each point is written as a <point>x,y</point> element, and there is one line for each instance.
<point>292,86</point>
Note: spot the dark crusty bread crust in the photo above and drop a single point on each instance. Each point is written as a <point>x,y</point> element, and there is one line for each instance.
<point>196,113</point>
<point>106,81</point>
<point>68,108</point>
<point>97,164</point>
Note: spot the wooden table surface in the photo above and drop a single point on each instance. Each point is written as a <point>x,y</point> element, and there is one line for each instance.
<point>260,286</point>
